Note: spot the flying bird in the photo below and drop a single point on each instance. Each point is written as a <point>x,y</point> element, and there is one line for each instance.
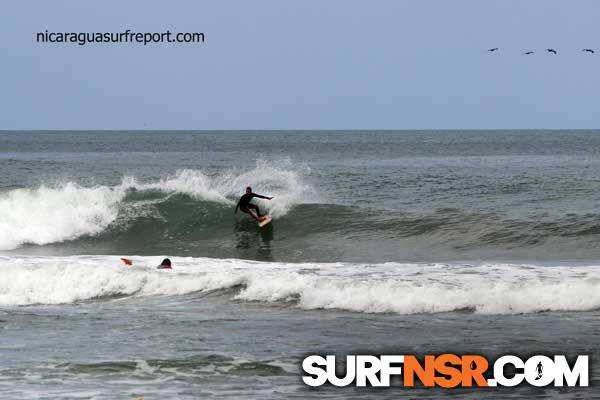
<point>528,52</point>
<point>551,51</point>
<point>588,50</point>
<point>494,49</point>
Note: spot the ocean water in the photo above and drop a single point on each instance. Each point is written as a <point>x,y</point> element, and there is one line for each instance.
<point>381,242</point>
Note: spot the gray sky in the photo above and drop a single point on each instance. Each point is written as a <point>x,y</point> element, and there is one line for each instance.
<point>335,64</point>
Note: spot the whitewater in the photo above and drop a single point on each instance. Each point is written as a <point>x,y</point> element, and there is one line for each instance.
<point>377,288</point>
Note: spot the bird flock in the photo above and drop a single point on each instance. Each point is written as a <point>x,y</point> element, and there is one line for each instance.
<point>553,51</point>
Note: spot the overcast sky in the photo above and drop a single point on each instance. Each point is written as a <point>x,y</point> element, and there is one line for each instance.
<point>335,64</point>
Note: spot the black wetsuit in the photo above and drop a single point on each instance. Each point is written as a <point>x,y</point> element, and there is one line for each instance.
<point>245,205</point>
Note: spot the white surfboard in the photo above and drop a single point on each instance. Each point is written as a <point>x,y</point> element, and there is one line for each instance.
<point>265,221</point>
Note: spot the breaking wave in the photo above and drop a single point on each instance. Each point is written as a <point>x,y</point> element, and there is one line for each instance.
<point>375,288</point>
<point>47,214</point>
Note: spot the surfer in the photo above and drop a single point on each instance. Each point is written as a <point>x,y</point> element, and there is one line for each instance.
<point>165,264</point>
<point>245,205</point>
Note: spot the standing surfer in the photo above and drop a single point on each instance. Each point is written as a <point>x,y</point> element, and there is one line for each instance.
<point>245,205</point>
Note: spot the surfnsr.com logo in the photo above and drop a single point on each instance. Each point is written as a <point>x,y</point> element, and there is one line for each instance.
<point>446,371</point>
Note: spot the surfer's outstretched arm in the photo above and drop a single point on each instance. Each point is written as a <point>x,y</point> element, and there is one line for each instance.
<point>260,196</point>
<point>236,207</point>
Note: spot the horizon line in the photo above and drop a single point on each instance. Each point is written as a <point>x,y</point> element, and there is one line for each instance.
<point>301,130</point>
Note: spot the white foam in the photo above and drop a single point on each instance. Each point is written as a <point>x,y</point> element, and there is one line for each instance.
<point>143,367</point>
<point>45,215</point>
<point>53,214</point>
<point>397,288</point>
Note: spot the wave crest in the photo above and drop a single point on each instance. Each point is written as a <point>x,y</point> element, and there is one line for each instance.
<point>46,215</point>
